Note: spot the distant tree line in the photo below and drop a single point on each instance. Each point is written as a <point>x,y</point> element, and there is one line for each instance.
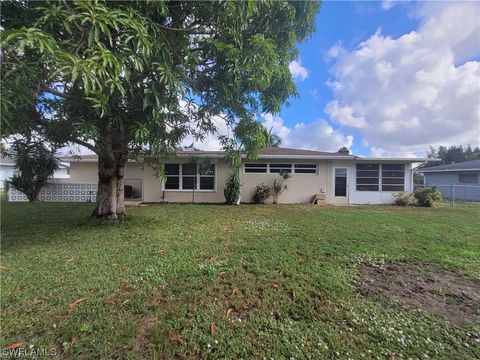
<point>452,154</point>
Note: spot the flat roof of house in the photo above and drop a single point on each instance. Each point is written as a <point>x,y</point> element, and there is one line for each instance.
<point>473,165</point>
<point>269,153</point>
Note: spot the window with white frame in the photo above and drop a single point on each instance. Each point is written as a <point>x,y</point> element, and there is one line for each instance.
<point>188,177</point>
<point>255,168</point>
<point>387,177</point>
<point>280,168</point>
<point>468,178</point>
<point>305,168</point>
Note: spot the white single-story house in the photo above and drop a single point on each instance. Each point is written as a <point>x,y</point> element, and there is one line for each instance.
<point>335,178</point>
<point>7,169</point>
<point>459,180</point>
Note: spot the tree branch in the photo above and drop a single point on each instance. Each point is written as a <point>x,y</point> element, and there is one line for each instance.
<point>84,143</point>
<point>46,88</point>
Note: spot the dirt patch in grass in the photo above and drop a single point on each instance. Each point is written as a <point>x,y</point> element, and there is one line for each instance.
<point>426,286</point>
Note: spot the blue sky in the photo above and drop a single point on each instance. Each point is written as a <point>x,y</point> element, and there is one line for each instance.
<point>386,78</point>
<point>348,23</point>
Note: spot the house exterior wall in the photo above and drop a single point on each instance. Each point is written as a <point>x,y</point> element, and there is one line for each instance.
<point>154,191</point>
<point>361,197</point>
<point>444,181</point>
<point>6,172</point>
<point>300,187</point>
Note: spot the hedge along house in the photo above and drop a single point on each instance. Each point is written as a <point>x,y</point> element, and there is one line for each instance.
<point>334,178</point>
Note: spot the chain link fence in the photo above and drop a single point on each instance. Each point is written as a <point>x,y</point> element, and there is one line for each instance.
<point>457,193</point>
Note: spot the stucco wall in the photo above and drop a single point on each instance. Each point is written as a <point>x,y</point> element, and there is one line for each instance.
<point>361,197</point>
<point>6,172</point>
<point>300,187</point>
<point>154,193</point>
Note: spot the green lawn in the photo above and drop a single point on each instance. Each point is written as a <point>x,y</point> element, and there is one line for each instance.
<point>205,281</point>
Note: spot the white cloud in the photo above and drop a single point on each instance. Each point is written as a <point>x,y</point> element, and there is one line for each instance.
<point>210,141</point>
<point>344,115</point>
<point>388,4</point>
<point>417,90</point>
<point>297,70</point>
<point>316,135</point>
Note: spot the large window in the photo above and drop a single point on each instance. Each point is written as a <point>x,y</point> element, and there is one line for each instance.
<point>188,177</point>
<point>255,168</point>
<point>468,178</point>
<point>368,177</point>
<point>387,177</point>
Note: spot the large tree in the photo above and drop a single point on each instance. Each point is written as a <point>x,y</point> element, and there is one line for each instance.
<point>130,77</point>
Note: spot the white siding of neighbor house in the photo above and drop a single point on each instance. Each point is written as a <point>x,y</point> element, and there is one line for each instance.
<point>6,172</point>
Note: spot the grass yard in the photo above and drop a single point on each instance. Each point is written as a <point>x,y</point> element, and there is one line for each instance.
<point>208,282</point>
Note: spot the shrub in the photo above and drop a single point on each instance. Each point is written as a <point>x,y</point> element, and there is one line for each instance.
<point>232,188</point>
<point>262,193</point>
<point>427,196</point>
<point>403,198</point>
<point>279,185</point>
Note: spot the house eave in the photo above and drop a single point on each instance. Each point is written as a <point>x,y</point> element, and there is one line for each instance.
<point>447,170</point>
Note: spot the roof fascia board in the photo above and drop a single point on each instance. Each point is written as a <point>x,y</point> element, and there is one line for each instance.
<point>446,170</point>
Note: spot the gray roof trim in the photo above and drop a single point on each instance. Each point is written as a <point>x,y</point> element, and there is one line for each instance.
<point>448,170</point>
<point>473,165</point>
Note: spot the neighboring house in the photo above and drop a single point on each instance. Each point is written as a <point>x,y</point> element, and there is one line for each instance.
<point>336,178</point>
<point>461,178</point>
<point>7,169</point>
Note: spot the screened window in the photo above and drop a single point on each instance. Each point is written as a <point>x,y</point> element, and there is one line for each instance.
<point>188,177</point>
<point>387,177</point>
<point>368,177</point>
<point>393,177</point>
<point>278,168</point>
<point>468,178</point>
<point>255,168</point>
<point>305,168</point>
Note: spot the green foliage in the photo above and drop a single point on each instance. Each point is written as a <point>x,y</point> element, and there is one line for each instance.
<point>403,198</point>
<point>34,164</point>
<point>142,75</point>
<point>232,188</point>
<point>344,150</point>
<point>271,139</point>
<point>452,154</point>
<point>262,193</point>
<point>279,185</point>
<point>427,196</point>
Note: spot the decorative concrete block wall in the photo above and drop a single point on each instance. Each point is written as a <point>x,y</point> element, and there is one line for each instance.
<point>60,191</point>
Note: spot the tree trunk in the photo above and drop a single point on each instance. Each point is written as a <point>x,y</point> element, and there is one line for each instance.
<point>106,207</point>
<point>112,161</point>
<point>121,164</point>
